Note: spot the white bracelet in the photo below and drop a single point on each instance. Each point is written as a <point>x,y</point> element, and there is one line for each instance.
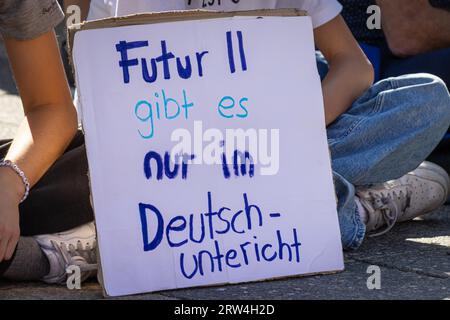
<point>21,174</point>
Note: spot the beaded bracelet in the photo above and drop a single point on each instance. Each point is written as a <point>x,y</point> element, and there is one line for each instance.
<point>21,174</point>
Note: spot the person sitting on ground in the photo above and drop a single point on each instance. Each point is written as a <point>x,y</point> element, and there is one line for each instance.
<point>414,38</point>
<point>379,134</point>
<point>37,194</point>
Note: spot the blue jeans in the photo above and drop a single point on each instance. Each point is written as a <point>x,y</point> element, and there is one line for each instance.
<point>435,62</point>
<point>386,133</point>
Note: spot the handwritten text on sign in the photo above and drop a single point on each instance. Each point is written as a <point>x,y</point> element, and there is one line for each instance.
<point>179,196</point>
<point>184,69</point>
<point>222,217</point>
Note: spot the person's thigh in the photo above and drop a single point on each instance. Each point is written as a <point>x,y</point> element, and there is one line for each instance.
<point>390,130</point>
<point>61,199</point>
<point>435,62</point>
<point>322,65</point>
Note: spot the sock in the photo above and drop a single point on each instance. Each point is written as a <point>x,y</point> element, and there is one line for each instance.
<point>362,212</point>
<point>29,262</point>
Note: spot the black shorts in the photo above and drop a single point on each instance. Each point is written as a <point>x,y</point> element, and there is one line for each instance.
<point>60,200</point>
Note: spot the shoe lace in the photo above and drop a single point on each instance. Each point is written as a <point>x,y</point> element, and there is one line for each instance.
<point>385,208</point>
<point>82,257</point>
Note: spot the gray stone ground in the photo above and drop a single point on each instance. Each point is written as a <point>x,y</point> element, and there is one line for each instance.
<point>414,258</point>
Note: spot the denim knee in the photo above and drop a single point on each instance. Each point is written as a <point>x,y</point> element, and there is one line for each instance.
<point>441,96</point>
<point>437,107</point>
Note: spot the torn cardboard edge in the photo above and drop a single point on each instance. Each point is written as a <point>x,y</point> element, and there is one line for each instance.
<point>171,16</point>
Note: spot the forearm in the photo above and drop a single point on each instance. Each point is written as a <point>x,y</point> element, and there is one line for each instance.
<point>347,79</point>
<point>42,137</point>
<point>50,118</point>
<point>414,26</point>
<point>350,72</point>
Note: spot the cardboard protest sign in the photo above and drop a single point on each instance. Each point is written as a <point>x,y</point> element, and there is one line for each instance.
<point>207,149</point>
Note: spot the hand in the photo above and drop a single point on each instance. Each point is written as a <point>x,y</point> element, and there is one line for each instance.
<point>9,212</point>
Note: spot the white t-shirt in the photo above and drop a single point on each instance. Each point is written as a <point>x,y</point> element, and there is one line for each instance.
<point>321,11</point>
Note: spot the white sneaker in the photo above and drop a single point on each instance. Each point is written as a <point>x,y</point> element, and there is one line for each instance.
<point>74,247</point>
<point>415,194</point>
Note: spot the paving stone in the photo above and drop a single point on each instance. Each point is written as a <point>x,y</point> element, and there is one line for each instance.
<point>419,246</point>
<point>40,291</point>
<point>350,284</point>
